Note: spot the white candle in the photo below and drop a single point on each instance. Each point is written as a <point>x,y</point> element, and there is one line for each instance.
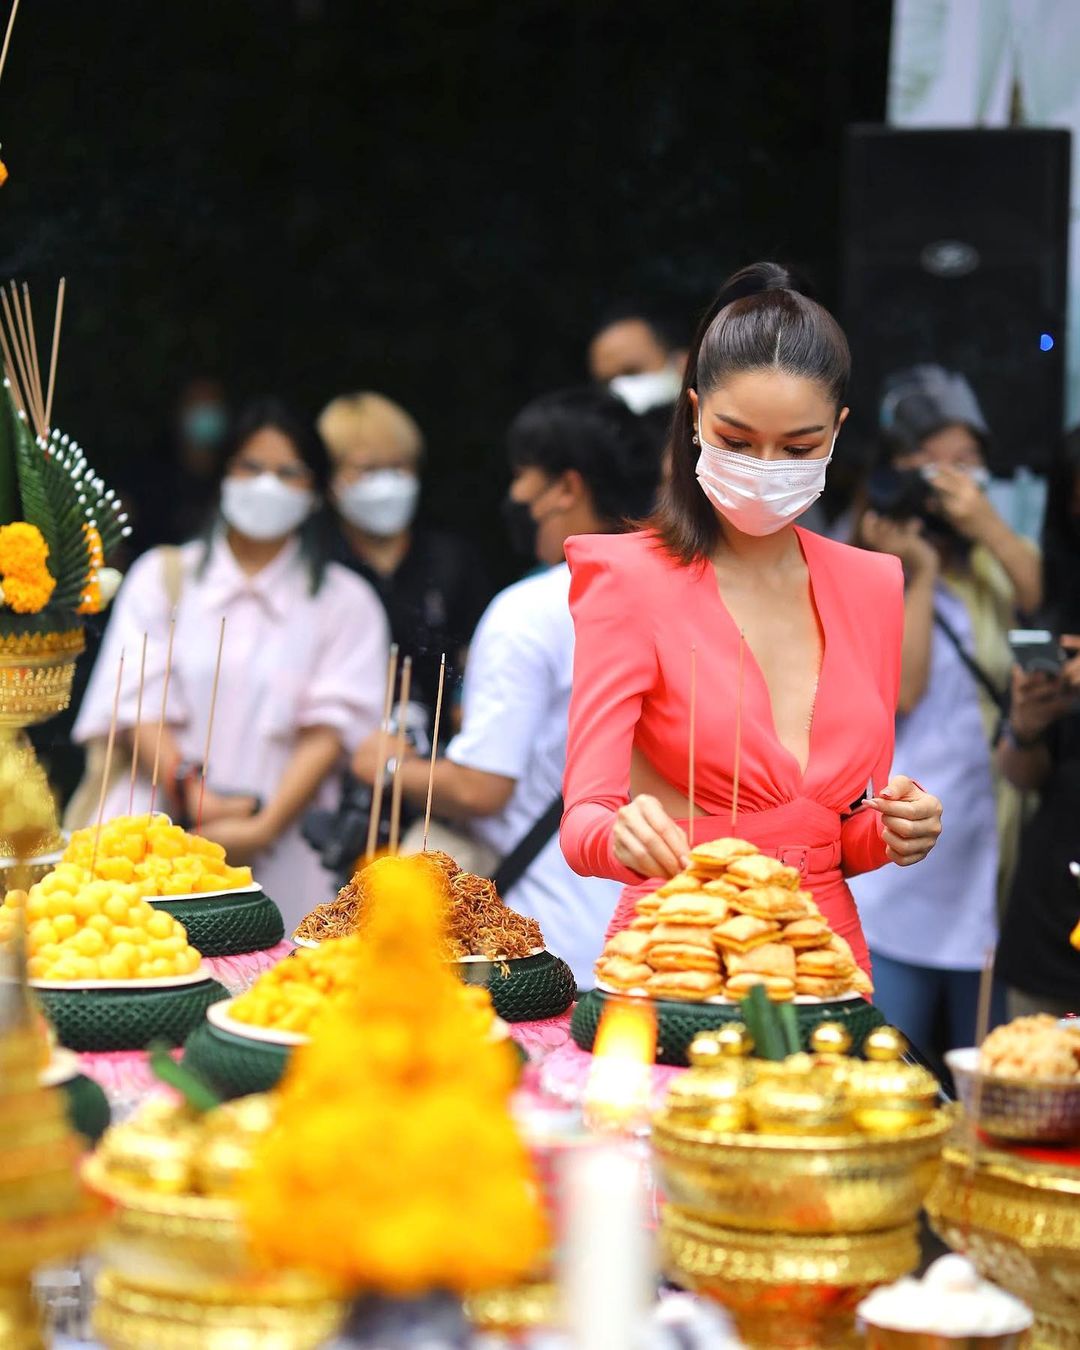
<point>607,1257</point>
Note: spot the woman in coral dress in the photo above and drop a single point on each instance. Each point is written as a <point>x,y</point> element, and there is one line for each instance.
<point>724,573</point>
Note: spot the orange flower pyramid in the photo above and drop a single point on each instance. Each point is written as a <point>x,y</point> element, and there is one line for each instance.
<point>394,1166</point>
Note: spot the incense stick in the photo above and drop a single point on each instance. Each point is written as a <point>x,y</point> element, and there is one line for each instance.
<point>32,391</point>
<point>693,744</point>
<point>380,754</point>
<point>109,744</point>
<point>434,751</point>
<point>161,719</point>
<point>982,1026</point>
<point>738,735</point>
<point>135,734</point>
<point>24,379</point>
<point>210,726</point>
<point>9,368</point>
<point>7,35</point>
<point>55,350</point>
<point>399,754</point>
<point>35,368</point>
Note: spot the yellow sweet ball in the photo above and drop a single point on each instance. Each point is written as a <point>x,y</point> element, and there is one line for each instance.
<point>37,967</point>
<point>59,902</point>
<point>66,925</point>
<point>160,967</point>
<point>116,908</point>
<point>89,942</point>
<point>15,899</point>
<point>124,933</point>
<point>160,924</point>
<point>101,923</point>
<point>188,961</point>
<point>126,952</point>
<point>41,932</point>
<point>114,967</point>
<point>37,906</point>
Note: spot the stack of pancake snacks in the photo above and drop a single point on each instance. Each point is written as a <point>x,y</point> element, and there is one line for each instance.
<point>733,919</point>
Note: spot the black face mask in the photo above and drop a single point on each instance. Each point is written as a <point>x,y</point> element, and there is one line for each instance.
<point>521,528</point>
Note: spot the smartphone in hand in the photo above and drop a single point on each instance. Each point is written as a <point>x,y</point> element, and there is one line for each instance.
<point>1036,650</point>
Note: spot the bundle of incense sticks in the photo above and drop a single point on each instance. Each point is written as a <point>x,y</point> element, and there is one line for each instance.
<point>18,342</point>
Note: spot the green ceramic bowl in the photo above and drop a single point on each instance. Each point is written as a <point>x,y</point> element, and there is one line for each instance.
<point>228,924</point>
<point>678,1023</point>
<point>526,989</point>
<point>127,1019</point>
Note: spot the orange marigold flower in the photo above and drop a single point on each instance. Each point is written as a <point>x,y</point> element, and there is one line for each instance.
<point>90,603</point>
<point>23,550</point>
<point>28,596</point>
<point>93,544</point>
<point>3,173</point>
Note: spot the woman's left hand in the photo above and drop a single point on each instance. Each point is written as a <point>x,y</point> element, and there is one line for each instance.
<point>910,820</point>
<point>241,839</point>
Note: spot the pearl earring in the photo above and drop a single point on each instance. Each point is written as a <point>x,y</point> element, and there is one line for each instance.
<point>694,439</point>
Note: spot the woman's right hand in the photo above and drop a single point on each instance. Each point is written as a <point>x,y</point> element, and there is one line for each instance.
<point>648,841</point>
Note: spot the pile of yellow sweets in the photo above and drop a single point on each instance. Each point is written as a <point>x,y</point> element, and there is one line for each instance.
<point>84,928</point>
<point>156,856</point>
<point>295,993</point>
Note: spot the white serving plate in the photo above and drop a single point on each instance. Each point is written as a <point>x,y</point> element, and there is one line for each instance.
<point>218,1016</point>
<point>205,895</point>
<point>459,961</point>
<point>719,1000</point>
<point>160,982</point>
<point>61,1068</point>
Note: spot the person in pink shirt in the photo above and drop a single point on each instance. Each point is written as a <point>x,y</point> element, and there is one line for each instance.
<point>302,674</point>
<point>723,571</point>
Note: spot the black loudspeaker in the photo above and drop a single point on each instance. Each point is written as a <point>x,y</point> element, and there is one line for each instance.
<point>955,252</point>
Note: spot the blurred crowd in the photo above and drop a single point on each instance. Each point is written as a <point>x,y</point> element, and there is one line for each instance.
<point>314,543</point>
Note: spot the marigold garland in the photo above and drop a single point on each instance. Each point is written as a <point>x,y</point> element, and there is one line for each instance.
<point>394,1165</point>
<point>26,582</point>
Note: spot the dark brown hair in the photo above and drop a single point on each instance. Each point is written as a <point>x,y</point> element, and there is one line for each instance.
<point>762,319</point>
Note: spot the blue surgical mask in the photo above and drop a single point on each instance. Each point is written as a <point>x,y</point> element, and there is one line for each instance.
<point>204,425</point>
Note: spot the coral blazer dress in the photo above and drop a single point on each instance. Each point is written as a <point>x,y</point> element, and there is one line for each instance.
<point>637,614</point>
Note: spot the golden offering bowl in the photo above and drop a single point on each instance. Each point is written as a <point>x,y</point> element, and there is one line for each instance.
<point>878,1338</point>
<point>507,1312</point>
<point>1018,1220</point>
<point>129,1316</point>
<point>798,1184</point>
<point>785,1291</point>
<point>36,674</point>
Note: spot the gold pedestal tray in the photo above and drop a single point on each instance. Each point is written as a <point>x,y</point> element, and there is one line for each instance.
<point>791,1184</point>
<point>178,1276</point>
<point>128,1316</point>
<point>37,671</point>
<point>508,1312</point>
<point>36,674</point>
<point>1019,1221</point>
<point>785,1291</point>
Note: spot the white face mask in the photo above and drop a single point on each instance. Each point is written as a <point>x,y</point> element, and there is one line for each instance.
<point>264,507</point>
<point>382,502</point>
<point>647,390</point>
<point>759,496</point>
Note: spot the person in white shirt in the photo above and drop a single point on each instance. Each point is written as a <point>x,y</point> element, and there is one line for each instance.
<point>302,673</point>
<point>579,466</point>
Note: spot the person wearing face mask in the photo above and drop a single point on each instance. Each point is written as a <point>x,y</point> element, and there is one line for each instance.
<point>431,583</point>
<point>302,671</point>
<point>579,464</point>
<point>722,571</point>
<point>638,358</point>
<point>967,576</point>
